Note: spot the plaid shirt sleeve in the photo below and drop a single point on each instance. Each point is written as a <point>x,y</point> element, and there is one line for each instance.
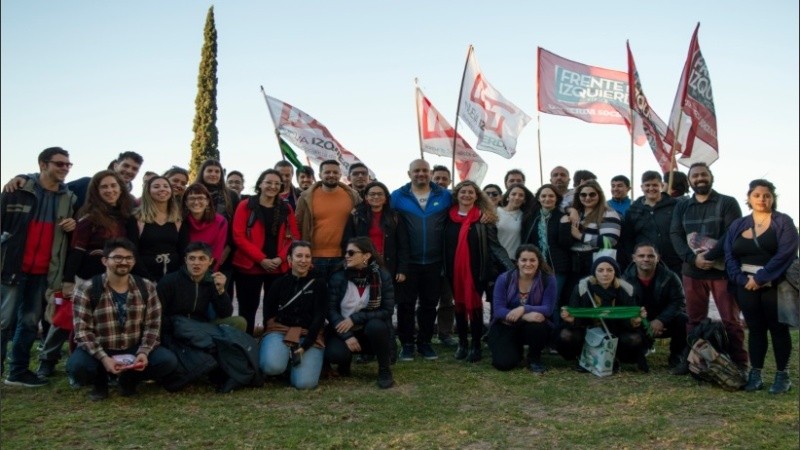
<point>83,321</point>
<point>152,319</point>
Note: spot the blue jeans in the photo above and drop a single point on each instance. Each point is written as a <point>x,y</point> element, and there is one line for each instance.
<point>274,360</point>
<point>88,370</point>
<point>324,267</point>
<point>20,313</point>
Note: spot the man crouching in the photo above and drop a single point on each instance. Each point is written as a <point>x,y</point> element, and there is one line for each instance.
<point>117,317</point>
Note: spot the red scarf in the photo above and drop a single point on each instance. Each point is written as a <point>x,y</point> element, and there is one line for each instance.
<point>465,295</point>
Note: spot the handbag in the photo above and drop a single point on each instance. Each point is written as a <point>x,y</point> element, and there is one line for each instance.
<point>599,350</point>
<point>62,318</point>
<point>789,297</point>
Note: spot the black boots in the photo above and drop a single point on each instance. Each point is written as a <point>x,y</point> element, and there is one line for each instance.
<point>385,379</point>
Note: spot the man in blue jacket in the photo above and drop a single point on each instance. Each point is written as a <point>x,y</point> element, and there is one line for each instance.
<point>423,206</point>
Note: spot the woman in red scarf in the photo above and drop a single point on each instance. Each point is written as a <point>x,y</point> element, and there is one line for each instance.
<point>472,257</point>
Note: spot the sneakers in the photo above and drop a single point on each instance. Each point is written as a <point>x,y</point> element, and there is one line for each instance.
<point>537,367</point>
<point>227,387</point>
<point>385,379</point>
<point>681,368</point>
<point>461,352</point>
<point>448,340</point>
<point>98,393</point>
<point>26,379</point>
<point>474,355</point>
<point>46,369</point>
<point>782,383</point>
<point>427,352</point>
<point>754,382</point>
<point>407,353</point>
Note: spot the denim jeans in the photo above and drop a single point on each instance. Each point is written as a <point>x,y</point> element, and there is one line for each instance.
<point>20,313</point>
<point>88,370</point>
<point>274,359</point>
<point>324,267</point>
<point>53,344</point>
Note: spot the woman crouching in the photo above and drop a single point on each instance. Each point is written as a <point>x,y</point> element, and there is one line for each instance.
<point>523,302</point>
<point>295,315</point>
<point>360,306</point>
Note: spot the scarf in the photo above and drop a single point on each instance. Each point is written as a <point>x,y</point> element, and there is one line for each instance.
<point>465,295</point>
<point>544,217</point>
<point>534,297</point>
<point>368,276</point>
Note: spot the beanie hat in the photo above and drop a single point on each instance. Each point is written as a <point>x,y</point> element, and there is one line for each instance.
<point>606,259</point>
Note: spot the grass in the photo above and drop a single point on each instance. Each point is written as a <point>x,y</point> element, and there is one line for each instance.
<point>441,404</point>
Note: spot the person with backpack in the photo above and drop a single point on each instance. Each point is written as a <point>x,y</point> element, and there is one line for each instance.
<point>263,228</point>
<point>523,304</point>
<point>759,248</point>
<point>118,333</point>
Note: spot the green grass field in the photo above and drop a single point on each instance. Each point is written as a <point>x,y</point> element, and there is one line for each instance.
<point>440,404</point>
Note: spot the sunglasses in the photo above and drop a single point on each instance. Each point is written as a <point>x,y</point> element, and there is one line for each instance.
<point>352,252</point>
<point>492,194</point>
<point>588,194</point>
<point>61,164</point>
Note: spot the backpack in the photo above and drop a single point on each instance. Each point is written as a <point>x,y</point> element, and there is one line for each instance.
<point>707,358</point>
<point>97,289</point>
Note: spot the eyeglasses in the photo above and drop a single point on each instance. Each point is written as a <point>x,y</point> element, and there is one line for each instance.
<point>61,164</point>
<point>588,194</point>
<point>118,259</point>
<point>492,194</point>
<point>376,194</point>
<point>352,252</point>
<point>359,174</point>
<point>198,199</point>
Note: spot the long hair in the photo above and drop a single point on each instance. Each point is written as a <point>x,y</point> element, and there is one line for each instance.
<point>387,212</point>
<point>762,183</point>
<point>559,197</point>
<point>147,211</point>
<point>597,214</point>
<point>364,244</point>
<point>282,208</point>
<point>219,187</point>
<point>482,201</point>
<point>99,213</point>
<point>529,205</point>
<point>210,213</point>
<point>543,266</point>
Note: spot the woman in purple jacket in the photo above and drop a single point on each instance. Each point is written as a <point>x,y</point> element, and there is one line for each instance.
<point>523,303</point>
<point>759,248</point>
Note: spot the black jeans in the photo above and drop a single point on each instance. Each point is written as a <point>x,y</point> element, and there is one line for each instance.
<point>760,309</point>
<point>374,339</point>
<point>631,343</point>
<point>248,294</point>
<point>423,281</point>
<point>506,342</point>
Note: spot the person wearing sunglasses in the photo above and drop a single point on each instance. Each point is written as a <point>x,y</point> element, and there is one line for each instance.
<point>599,227</point>
<point>35,220</point>
<point>360,307</point>
<point>494,193</point>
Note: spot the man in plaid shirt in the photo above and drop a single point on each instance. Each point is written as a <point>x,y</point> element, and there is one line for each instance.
<point>124,322</point>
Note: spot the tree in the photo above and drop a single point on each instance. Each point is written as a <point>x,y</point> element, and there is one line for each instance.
<point>205,143</point>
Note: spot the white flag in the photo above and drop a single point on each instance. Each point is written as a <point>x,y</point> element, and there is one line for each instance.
<point>436,137</point>
<point>308,134</point>
<point>496,121</point>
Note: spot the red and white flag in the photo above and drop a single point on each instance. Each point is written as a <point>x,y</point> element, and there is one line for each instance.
<point>496,121</point>
<point>436,137</point>
<point>307,133</point>
<point>654,128</point>
<point>589,93</point>
<point>693,117</point>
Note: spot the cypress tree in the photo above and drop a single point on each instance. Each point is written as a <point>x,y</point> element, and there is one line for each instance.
<point>206,136</point>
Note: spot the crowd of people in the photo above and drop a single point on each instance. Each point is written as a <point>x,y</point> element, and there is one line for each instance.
<point>329,263</point>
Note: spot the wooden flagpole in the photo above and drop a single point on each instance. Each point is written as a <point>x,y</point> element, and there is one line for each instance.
<point>673,163</point>
<point>539,144</point>
<point>633,130</point>
<point>458,110</point>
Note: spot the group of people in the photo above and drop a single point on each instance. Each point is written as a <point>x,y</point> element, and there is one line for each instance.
<point>334,261</point>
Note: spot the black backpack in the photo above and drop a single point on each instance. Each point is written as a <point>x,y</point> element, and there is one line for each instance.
<point>708,358</point>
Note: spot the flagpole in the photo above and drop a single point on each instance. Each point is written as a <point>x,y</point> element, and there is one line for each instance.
<point>416,108</point>
<point>673,163</point>
<point>633,129</point>
<point>458,110</point>
<point>277,133</point>
<point>539,142</point>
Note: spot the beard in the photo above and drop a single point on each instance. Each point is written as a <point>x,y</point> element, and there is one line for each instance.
<point>330,183</point>
<point>704,189</point>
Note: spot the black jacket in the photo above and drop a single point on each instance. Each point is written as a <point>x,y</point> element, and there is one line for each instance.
<point>668,300</point>
<point>487,257</point>
<point>558,241</point>
<point>337,286</point>
<point>644,223</point>
<point>582,297</point>
<point>395,237</point>
<point>307,311</point>
<point>181,296</point>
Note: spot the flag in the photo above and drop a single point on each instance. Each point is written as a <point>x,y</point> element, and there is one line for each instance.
<point>436,137</point>
<point>693,118</point>
<point>654,128</point>
<point>307,133</point>
<point>289,153</point>
<point>496,121</point>
<point>589,93</point>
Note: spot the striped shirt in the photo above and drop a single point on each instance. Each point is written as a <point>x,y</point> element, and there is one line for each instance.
<point>100,329</point>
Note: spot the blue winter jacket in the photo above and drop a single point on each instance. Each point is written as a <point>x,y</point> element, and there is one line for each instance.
<point>425,228</point>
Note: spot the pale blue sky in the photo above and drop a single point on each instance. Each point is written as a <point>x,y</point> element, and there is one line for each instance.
<point>98,78</point>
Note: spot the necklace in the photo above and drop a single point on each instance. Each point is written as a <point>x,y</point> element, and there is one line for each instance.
<point>761,224</point>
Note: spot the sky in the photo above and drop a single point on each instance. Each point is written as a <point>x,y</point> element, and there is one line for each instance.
<point>99,78</point>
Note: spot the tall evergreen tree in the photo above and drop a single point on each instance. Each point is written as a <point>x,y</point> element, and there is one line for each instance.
<point>206,136</point>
